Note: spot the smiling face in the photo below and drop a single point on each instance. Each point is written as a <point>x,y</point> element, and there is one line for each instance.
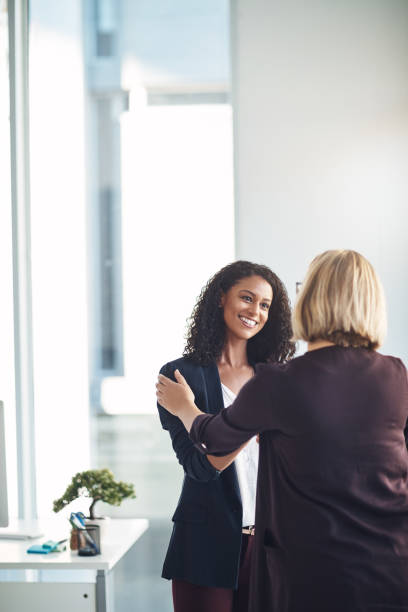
<point>246,307</point>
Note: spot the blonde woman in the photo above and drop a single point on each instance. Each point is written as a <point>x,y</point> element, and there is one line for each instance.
<point>332,498</point>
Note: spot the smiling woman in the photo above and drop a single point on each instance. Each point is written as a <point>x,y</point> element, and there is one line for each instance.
<point>241,318</point>
<point>245,309</point>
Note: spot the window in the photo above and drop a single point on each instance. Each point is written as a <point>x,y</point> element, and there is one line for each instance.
<point>132,212</point>
<point>6,266</point>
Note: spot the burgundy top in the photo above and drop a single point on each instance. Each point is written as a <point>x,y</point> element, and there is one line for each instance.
<point>332,497</point>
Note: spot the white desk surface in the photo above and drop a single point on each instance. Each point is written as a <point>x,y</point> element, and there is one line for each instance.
<point>120,535</point>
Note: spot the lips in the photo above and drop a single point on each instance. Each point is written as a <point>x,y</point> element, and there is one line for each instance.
<point>248,322</point>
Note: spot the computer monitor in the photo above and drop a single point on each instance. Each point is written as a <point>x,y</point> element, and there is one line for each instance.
<point>4,518</point>
<point>16,528</point>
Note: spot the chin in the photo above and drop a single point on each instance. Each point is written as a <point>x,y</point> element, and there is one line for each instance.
<point>247,335</point>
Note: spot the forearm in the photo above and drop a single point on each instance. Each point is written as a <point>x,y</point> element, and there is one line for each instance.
<point>187,414</point>
<point>220,463</point>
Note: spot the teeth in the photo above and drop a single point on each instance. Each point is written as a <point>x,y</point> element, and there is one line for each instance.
<point>248,321</point>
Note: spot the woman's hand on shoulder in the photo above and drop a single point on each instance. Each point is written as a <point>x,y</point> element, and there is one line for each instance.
<point>177,397</point>
<point>174,395</point>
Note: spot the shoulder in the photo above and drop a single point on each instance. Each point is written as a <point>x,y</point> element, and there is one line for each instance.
<point>396,361</point>
<point>188,368</point>
<point>269,374</point>
<point>174,364</point>
<point>280,376</point>
<point>393,362</point>
<point>273,370</point>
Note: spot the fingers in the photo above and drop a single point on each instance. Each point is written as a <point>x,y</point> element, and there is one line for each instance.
<point>161,399</point>
<point>159,392</point>
<point>179,377</point>
<point>162,383</point>
<point>165,384</point>
<point>163,380</point>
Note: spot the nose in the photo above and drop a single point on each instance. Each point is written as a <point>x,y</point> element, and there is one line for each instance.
<point>254,309</point>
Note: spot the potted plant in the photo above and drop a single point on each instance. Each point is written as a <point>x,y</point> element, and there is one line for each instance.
<point>97,485</point>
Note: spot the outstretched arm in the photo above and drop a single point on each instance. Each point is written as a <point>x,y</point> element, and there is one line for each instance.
<point>178,399</point>
<point>259,406</point>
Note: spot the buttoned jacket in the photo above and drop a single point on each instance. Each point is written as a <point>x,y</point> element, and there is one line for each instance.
<point>205,543</point>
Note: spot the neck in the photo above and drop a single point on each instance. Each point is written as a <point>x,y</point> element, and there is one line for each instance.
<point>234,353</point>
<point>318,344</point>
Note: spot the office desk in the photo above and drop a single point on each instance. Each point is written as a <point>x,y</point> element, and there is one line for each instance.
<point>93,595</point>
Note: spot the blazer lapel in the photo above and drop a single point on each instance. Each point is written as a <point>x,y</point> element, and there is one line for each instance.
<point>213,386</point>
<point>215,403</point>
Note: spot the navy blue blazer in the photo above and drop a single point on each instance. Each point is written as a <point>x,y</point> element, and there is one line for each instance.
<point>205,544</point>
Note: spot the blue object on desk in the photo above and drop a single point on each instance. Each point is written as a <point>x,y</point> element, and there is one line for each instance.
<point>77,519</point>
<point>47,547</point>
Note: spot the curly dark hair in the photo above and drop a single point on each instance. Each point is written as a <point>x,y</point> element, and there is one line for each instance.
<point>206,330</point>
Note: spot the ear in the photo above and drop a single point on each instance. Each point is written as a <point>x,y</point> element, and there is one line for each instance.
<point>222,300</point>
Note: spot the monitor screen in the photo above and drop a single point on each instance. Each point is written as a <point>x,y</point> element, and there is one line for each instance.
<point>4,520</point>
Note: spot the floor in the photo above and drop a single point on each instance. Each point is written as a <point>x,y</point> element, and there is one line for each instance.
<point>138,586</point>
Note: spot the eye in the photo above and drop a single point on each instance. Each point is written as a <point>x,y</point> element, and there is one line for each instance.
<point>265,305</point>
<point>247,298</point>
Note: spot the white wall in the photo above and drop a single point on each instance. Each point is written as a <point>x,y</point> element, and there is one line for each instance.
<point>321,138</point>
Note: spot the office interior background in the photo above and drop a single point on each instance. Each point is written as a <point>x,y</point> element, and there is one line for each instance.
<point>152,143</point>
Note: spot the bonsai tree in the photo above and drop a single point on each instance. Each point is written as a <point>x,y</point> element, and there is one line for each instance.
<point>98,485</point>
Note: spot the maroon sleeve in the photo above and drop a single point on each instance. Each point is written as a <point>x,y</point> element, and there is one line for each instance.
<point>254,410</point>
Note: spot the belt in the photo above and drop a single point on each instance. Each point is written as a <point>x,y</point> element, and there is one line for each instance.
<point>249,530</point>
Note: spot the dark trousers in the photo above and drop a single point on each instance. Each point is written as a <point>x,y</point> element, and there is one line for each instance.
<point>189,597</point>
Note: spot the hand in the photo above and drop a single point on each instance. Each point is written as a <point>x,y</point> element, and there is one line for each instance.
<point>174,396</point>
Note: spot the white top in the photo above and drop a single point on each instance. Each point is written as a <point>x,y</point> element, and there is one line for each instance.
<point>246,465</point>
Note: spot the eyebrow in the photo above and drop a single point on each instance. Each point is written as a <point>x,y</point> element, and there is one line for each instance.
<point>254,294</point>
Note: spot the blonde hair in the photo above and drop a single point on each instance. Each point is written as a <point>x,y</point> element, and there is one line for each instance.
<point>341,300</point>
